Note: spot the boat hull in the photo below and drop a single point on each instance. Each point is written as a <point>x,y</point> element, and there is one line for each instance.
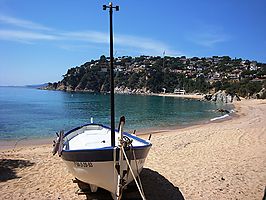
<point>102,174</point>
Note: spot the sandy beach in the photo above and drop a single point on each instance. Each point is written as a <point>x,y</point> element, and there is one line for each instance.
<point>219,160</point>
<point>190,96</point>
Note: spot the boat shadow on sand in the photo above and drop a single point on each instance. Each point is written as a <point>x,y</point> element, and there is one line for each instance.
<point>155,186</point>
<point>8,168</point>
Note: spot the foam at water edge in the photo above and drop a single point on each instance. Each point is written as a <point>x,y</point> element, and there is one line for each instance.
<point>217,118</point>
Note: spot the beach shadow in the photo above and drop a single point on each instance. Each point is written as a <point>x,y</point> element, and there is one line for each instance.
<point>8,168</point>
<point>157,187</point>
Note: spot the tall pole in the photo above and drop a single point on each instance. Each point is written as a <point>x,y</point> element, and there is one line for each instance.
<point>112,71</point>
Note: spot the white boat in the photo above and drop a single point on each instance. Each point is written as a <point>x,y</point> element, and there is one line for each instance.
<point>91,159</point>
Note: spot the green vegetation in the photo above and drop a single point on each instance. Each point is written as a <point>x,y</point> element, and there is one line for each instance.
<point>151,74</point>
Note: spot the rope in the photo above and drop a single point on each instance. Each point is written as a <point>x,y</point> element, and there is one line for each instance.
<point>137,169</point>
<point>18,142</point>
<point>118,177</point>
<point>140,191</point>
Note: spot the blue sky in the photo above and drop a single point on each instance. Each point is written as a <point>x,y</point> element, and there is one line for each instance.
<point>40,40</point>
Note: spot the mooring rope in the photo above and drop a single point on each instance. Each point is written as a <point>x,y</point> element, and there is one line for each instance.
<point>140,191</point>
<point>137,169</point>
<point>17,141</point>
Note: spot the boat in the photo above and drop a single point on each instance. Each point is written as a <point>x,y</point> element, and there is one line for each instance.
<point>91,159</point>
<point>100,156</point>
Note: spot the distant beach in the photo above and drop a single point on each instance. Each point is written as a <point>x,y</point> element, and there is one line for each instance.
<point>223,160</point>
<point>189,96</point>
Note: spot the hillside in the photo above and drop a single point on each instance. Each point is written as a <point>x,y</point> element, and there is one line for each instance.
<point>147,74</point>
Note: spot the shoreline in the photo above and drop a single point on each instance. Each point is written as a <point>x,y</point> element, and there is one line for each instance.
<point>187,96</point>
<point>158,130</point>
<point>20,143</point>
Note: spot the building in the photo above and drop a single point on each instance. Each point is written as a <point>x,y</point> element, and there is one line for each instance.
<point>179,92</point>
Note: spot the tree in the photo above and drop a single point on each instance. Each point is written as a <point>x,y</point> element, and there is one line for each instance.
<point>202,85</point>
<point>102,59</point>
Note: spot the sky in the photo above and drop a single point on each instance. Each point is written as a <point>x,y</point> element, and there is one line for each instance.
<point>40,40</point>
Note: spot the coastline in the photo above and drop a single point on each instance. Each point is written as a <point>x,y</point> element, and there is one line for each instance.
<point>217,160</point>
<point>189,96</point>
<point>14,144</point>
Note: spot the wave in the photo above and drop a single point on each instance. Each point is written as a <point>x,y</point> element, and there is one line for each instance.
<point>221,117</point>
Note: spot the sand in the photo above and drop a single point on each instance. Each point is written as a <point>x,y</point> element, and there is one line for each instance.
<point>190,96</point>
<point>221,160</point>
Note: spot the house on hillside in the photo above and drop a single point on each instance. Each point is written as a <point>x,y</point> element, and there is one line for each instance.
<point>179,92</point>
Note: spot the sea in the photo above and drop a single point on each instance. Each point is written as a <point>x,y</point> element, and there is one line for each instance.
<point>30,113</point>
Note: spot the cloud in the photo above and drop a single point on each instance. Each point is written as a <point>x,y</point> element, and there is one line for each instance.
<point>89,36</point>
<point>141,44</point>
<point>24,36</point>
<point>146,44</point>
<point>208,35</point>
<point>40,33</point>
<point>210,39</point>
<point>22,23</point>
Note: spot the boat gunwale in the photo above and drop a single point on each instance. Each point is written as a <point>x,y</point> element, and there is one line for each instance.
<point>146,143</point>
<point>103,155</point>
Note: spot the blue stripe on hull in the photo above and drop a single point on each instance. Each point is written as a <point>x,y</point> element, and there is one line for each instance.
<point>101,155</point>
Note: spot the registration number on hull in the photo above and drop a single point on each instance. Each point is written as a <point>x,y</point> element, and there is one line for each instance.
<point>83,164</point>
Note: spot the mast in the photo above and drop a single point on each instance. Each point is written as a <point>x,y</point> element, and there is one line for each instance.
<point>111,7</point>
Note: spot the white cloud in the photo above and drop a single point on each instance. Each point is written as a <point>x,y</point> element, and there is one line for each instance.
<point>24,36</point>
<point>22,23</point>
<point>210,39</point>
<point>208,35</point>
<point>145,45</point>
<point>135,43</point>
<point>39,32</point>
<point>89,36</point>
<point>156,47</point>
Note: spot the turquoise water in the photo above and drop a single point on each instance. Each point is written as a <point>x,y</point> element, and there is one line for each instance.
<point>32,113</point>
